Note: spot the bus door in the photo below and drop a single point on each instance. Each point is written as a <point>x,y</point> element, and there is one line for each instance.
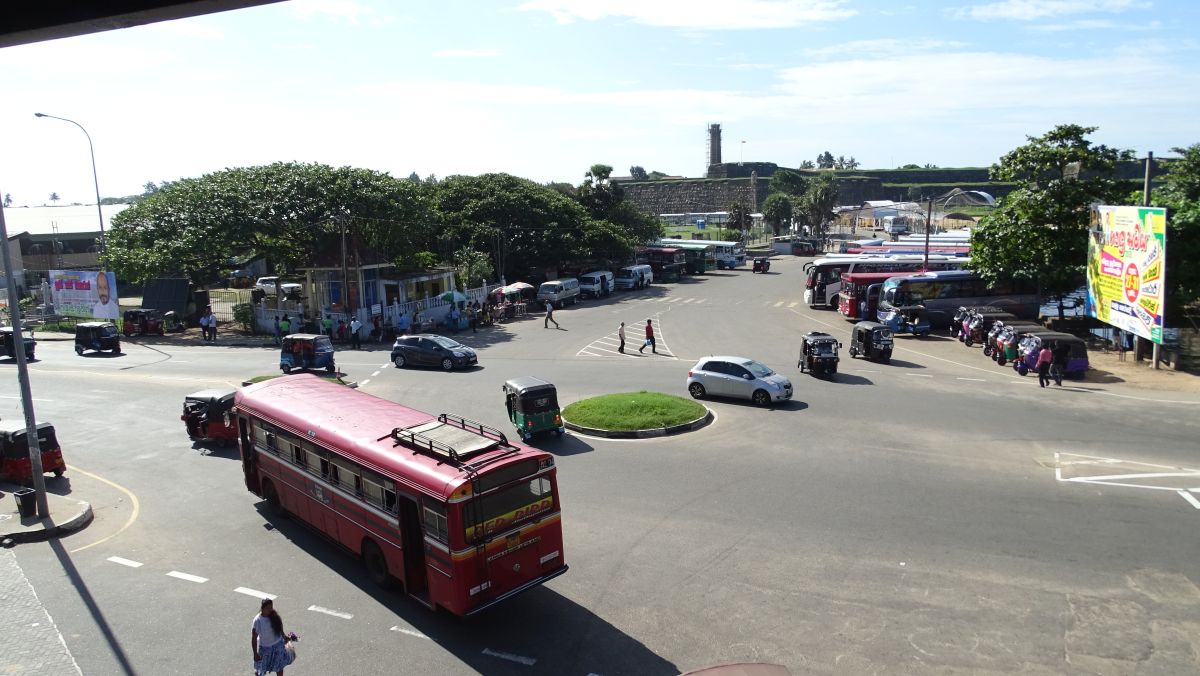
<point>412,543</point>
<point>249,458</point>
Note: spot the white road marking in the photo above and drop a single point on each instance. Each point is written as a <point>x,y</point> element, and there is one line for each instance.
<point>585,353</point>
<point>5,396</point>
<point>687,300</point>
<point>375,374</point>
<point>918,375</point>
<point>779,304</point>
<point>410,632</point>
<point>125,562</point>
<point>335,613</point>
<point>527,661</point>
<point>365,382</point>
<point>386,365</point>
<point>1190,498</point>
<point>793,304</point>
<point>975,380</point>
<point>255,593</point>
<point>186,576</point>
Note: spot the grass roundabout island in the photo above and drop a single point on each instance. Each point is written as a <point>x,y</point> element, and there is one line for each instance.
<point>634,412</point>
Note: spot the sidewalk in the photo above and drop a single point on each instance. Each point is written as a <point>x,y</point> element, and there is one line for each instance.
<point>66,516</point>
<point>30,640</point>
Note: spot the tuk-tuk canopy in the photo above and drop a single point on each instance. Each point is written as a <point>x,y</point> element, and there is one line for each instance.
<point>12,438</point>
<point>99,328</point>
<point>520,386</point>
<point>224,397</point>
<point>531,395</point>
<point>314,338</point>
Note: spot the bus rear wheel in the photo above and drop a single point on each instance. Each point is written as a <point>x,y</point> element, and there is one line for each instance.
<point>376,564</point>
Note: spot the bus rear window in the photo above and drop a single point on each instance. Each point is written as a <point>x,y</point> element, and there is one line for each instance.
<point>516,503</point>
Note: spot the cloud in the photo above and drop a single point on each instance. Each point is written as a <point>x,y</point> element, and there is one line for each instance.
<point>698,14</point>
<point>883,47</point>
<point>1095,24</point>
<point>1029,10</point>
<point>465,53</point>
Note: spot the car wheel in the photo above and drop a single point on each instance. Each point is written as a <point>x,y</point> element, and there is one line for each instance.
<point>376,564</point>
<point>399,361</point>
<point>761,398</point>
<point>447,364</point>
<point>696,390</point>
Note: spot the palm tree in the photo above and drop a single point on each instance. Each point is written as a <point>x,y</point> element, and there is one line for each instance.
<point>54,197</point>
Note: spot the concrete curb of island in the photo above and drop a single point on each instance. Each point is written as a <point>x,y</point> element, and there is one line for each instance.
<point>696,424</point>
<point>76,523</point>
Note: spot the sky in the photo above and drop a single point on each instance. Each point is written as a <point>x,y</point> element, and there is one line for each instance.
<point>546,88</point>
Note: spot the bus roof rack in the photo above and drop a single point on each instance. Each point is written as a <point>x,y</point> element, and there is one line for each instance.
<point>451,438</point>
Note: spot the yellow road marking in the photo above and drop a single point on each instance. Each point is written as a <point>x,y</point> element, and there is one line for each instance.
<point>132,501</point>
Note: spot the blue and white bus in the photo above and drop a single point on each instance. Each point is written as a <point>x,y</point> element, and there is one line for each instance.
<point>942,293</point>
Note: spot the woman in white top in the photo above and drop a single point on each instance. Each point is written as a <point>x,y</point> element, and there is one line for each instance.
<point>267,641</point>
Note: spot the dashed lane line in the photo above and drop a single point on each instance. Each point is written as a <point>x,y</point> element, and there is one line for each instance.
<point>363,383</point>
<point>519,659</point>
<point>329,611</point>
<point>410,632</point>
<point>255,593</point>
<point>1187,495</point>
<point>918,375</point>
<point>376,373</point>
<point>125,562</point>
<point>187,576</point>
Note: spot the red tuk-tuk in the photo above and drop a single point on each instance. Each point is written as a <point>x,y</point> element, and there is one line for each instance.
<point>144,321</point>
<point>208,416</point>
<point>14,452</point>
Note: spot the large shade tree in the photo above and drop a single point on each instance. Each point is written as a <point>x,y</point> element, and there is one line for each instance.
<point>1039,231</point>
<point>1180,194</point>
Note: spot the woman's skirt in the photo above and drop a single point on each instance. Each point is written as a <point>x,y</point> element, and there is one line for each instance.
<point>274,659</point>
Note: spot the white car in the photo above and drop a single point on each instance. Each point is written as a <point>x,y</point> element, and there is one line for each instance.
<point>267,286</point>
<point>727,376</point>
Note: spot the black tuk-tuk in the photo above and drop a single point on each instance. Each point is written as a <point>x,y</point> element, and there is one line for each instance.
<point>144,321</point>
<point>818,354</point>
<point>872,340</point>
<point>532,405</point>
<point>762,265</point>
<point>98,336</point>
<point>8,344</point>
<point>208,414</point>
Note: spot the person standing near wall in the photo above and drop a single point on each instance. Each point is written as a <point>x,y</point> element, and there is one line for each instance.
<point>355,327</point>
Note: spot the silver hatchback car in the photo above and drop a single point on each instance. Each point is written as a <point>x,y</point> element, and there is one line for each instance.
<point>726,376</point>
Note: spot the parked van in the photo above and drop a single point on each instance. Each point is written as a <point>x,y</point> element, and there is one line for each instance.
<point>560,292</point>
<point>595,284</point>
<point>634,277</point>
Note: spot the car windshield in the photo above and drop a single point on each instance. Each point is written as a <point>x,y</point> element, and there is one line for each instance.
<point>759,370</point>
<point>446,342</point>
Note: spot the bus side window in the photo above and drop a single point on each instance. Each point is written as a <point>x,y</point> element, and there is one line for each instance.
<point>435,520</point>
<point>271,442</point>
<point>372,489</point>
<point>298,454</point>
<point>389,496</point>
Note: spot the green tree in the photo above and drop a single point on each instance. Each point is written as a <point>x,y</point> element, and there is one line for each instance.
<point>788,182</point>
<point>8,199</point>
<point>473,268</point>
<point>816,205</point>
<point>911,166</point>
<point>777,211</point>
<point>599,173</point>
<point>54,197</point>
<point>1039,231</point>
<point>656,176</point>
<point>1181,196</point>
<point>414,177</point>
<point>825,160</point>
<point>807,164</point>
<point>739,216</point>
<point>852,163</point>
<point>638,173</point>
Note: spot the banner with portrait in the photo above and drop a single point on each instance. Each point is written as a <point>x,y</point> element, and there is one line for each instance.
<point>84,293</point>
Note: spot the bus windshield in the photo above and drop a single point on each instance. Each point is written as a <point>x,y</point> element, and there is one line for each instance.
<point>506,507</point>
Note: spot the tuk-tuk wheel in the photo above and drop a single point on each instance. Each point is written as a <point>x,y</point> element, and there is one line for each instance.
<point>1001,360</point>
<point>526,436</point>
<point>968,342</point>
<point>1022,369</point>
<point>331,368</point>
<point>285,368</point>
<point>58,473</point>
<point>79,350</point>
<point>853,353</point>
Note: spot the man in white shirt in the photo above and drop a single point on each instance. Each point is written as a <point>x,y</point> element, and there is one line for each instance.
<point>355,326</point>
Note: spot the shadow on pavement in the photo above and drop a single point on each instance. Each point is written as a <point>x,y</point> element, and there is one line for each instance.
<point>584,643</point>
<point>567,444</point>
<point>102,626</point>
<point>901,364</point>
<point>850,379</point>
<point>60,485</point>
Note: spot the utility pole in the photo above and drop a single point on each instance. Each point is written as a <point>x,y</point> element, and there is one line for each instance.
<point>928,219</point>
<point>31,435</point>
<point>345,269</point>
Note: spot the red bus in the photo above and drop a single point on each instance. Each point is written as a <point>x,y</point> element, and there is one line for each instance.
<point>854,291</point>
<point>448,507</point>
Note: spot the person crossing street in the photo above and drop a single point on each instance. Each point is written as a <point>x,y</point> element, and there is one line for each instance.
<point>549,316</point>
<point>649,338</point>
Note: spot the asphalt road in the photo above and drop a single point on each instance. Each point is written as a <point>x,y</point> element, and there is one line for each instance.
<point>937,514</point>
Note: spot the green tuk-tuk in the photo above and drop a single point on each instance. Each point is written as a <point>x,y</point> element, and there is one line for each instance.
<point>532,405</point>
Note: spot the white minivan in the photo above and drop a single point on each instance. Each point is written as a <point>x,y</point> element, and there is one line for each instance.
<point>634,277</point>
<point>595,284</point>
<point>559,292</point>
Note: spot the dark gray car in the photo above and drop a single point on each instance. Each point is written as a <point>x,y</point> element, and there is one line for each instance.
<point>427,349</point>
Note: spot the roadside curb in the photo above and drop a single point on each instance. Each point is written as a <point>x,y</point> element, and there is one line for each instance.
<point>696,424</point>
<point>76,523</point>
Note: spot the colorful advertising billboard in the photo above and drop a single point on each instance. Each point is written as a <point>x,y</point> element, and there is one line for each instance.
<point>84,293</point>
<point>1126,272</point>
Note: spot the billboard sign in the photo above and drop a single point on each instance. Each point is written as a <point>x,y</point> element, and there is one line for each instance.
<point>84,293</point>
<point>1126,271</point>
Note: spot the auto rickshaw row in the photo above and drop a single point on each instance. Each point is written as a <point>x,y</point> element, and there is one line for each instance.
<point>1009,340</point>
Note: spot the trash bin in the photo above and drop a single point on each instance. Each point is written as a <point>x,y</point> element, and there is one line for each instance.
<point>26,502</point>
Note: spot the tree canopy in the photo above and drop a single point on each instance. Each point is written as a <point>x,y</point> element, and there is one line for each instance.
<point>1181,196</point>
<point>777,211</point>
<point>1039,231</point>
<point>788,182</point>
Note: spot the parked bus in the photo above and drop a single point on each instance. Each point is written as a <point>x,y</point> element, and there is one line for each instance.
<point>860,294</point>
<point>451,509</point>
<point>822,281</point>
<point>943,292</point>
<point>700,258</point>
<point>729,254</point>
<point>901,248</point>
<point>668,262</point>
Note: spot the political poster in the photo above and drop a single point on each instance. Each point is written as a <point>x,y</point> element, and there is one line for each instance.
<point>1126,271</point>
<point>84,293</point>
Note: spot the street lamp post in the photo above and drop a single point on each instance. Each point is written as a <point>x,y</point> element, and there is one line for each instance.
<point>95,177</point>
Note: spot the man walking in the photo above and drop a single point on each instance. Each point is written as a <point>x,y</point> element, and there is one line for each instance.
<point>549,316</point>
<point>649,339</point>
<point>1058,361</point>
<point>621,337</point>
<point>355,325</point>
<point>327,326</point>
<point>278,330</point>
<point>1045,357</point>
